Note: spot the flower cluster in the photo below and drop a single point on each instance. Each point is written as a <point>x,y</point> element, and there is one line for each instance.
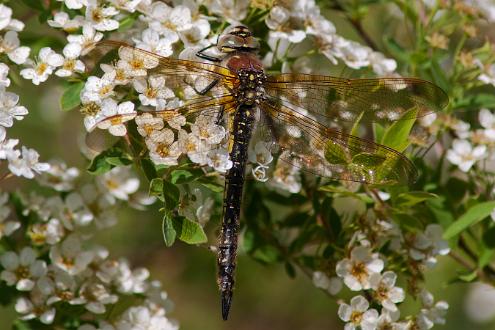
<point>24,161</point>
<point>59,265</point>
<point>291,23</point>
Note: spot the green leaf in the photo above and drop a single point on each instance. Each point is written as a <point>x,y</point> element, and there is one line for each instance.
<point>21,325</point>
<point>476,101</point>
<point>35,4</point>
<point>412,198</point>
<point>397,135</point>
<point>188,231</point>
<point>489,238</point>
<point>71,96</point>
<point>378,131</point>
<point>156,188</point>
<point>215,187</point>
<point>407,221</point>
<point>171,195</point>
<point>267,254</point>
<point>396,50</point>
<point>335,154</point>
<point>486,257</point>
<point>472,216</point>
<point>290,270</point>
<point>109,159</point>
<point>368,160</point>
<point>439,74</point>
<point>185,176</point>
<point>126,23</point>
<point>168,230</point>
<point>148,168</point>
<point>468,277</point>
<point>352,142</point>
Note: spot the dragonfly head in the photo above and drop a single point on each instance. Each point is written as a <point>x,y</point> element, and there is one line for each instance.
<point>237,38</point>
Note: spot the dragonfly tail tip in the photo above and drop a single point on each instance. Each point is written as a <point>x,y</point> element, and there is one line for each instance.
<point>226,302</point>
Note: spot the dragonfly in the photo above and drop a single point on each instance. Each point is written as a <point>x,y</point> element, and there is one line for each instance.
<point>299,116</point>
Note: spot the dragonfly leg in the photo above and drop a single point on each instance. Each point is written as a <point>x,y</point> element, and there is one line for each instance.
<point>220,116</point>
<point>207,88</point>
<point>204,56</point>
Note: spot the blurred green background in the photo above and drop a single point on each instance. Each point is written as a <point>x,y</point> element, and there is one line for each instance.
<point>265,297</point>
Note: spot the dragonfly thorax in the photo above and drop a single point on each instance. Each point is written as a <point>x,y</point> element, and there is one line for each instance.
<point>250,89</point>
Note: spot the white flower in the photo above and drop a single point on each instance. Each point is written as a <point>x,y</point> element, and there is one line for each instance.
<point>47,61</point>
<point>197,34</point>
<point>127,5</point>
<point>261,155</point>
<point>35,307</point>
<point>430,244</point>
<point>95,296</point>
<point>357,270</point>
<point>62,20</point>
<point>27,164</point>
<point>5,16</point>
<point>9,110</point>
<point>432,313</point>
<point>464,155</point>
<point>358,314</point>
<point>10,45</point>
<point>170,21</point>
<point>355,55</point>
<point>71,63</point>
<point>219,160</point>
<point>387,321</point>
<point>147,124</point>
<point>59,176</point>
<point>207,130</point>
<point>50,232</point>
<point>136,63</point>
<point>97,89</point>
<point>196,148</point>
<point>22,270</point>
<point>152,90</point>
<point>278,22</point>
<point>6,227</point>
<point>88,39</point>
<point>259,173</point>
<point>131,281</point>
<point>488,73</point>
<point>461,129</point>
<point>143,318</point>
<point>6,145</point>
<point>487,120</point>
<point>101,17</point>
<point>333,285</point>
<point>4,72</point>
<point>382,66</point>
<point>386,293</point>
<point>69,257</point>
<point>73,212</point>
<point>163,149</point>
<point>286,177</point>
<point>232,11</point>
<point>115,116</point>
<point>480,302</point>
<point>119,183</point>
<point>153,42</point>
<point>75,4</point>
<point>57,286</point>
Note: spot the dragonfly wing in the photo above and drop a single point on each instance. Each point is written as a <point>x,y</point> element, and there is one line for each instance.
<point>332,99</point>
<point>185,87</point>
<point>315,148</point>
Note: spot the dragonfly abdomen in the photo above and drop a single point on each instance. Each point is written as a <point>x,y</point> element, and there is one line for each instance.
<point>241,131</point>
